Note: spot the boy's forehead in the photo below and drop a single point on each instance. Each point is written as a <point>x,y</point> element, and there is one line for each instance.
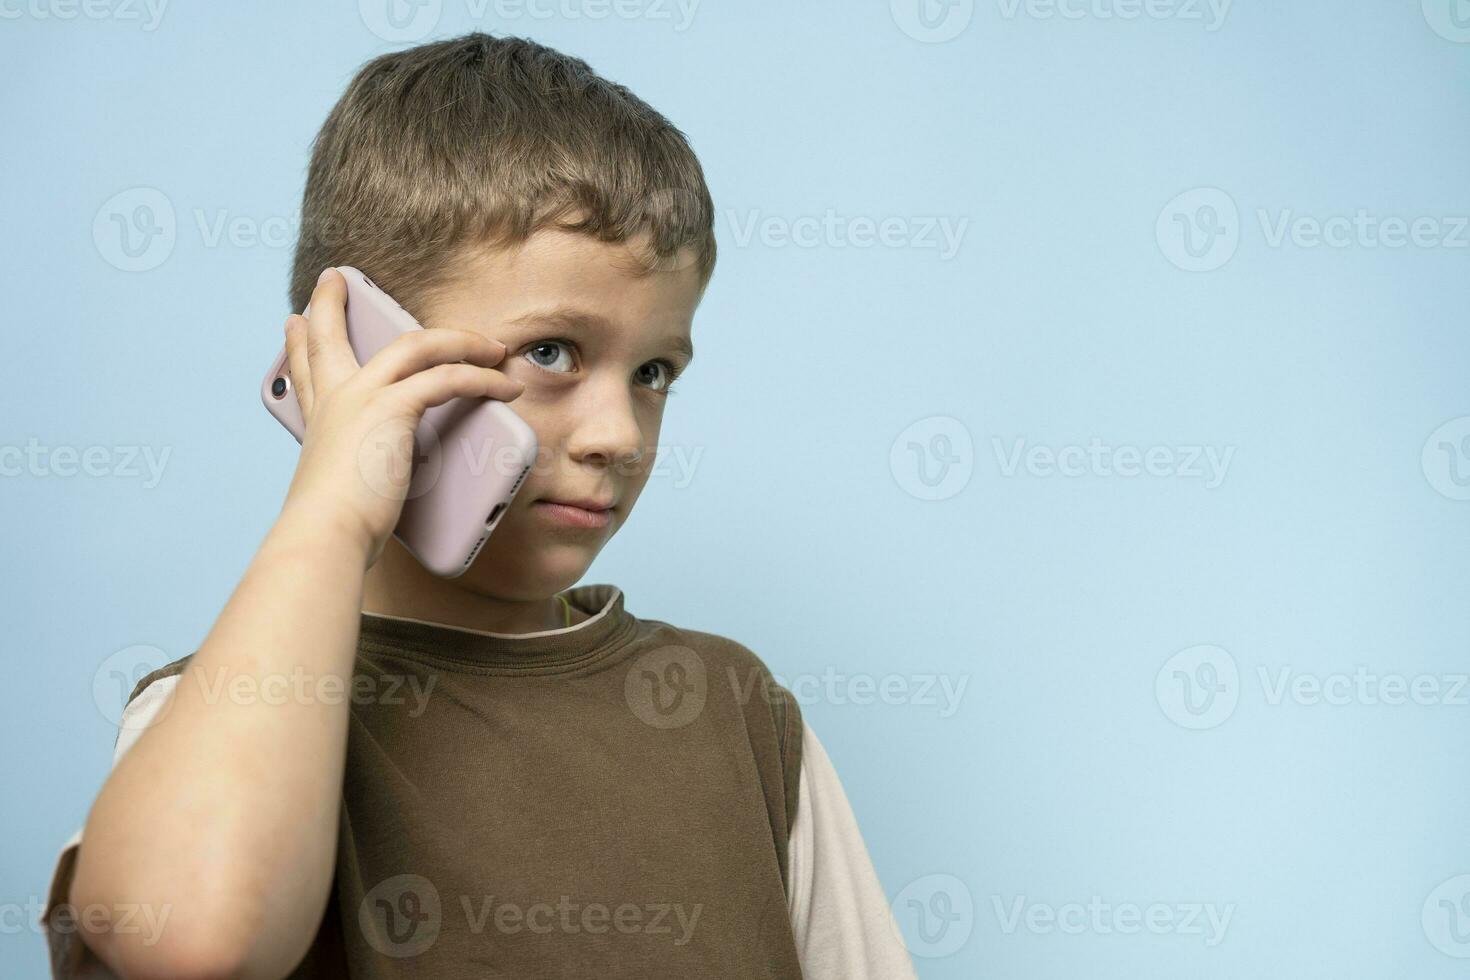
<point>556,276</point>
<point>562,270</point>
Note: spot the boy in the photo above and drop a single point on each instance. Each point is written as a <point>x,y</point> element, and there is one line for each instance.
<point>369,771</point>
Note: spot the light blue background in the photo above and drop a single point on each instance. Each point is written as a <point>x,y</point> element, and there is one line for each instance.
<point>1061,319</point>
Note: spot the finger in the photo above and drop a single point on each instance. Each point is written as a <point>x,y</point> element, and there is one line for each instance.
<point>296,362</point>
<point>419,350</point>
<point>328,353</point>
<point>443,382</point>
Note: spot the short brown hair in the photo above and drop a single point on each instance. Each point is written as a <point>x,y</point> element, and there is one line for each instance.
<point>483,140</point>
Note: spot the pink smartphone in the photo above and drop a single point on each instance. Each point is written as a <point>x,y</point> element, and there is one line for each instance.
<point>470,456</point>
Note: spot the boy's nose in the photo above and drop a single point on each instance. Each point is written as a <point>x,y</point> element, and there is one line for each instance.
<point>607,433</point>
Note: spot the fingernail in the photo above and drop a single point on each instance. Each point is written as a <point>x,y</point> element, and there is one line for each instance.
<point>325,272</point>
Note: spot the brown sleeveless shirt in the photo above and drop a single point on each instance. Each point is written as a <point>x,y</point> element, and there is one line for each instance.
<point>611,800</point>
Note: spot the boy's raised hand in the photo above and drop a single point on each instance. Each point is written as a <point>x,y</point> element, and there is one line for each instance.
<point>357,452</point>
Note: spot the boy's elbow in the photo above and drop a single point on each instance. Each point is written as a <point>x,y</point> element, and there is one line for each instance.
<point>173,957</point>
<point>148,941</point>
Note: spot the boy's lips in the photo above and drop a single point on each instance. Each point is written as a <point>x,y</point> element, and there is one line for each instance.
<point>585,503</point>
<point>585,512</point>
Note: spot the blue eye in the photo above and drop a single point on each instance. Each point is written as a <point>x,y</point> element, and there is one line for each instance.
<point>548,354</point>
<point>556,356</point>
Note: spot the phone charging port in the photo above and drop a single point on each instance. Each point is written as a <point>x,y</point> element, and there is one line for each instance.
<point>494,514</point>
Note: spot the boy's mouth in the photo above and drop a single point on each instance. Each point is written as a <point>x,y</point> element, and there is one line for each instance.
<point>588,512</point>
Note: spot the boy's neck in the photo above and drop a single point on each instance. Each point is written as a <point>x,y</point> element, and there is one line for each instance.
<point>397,585</point>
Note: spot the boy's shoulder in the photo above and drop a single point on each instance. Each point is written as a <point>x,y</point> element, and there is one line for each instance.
<point>724,667</point>
<point>168,670</point>
<point>724,659</point>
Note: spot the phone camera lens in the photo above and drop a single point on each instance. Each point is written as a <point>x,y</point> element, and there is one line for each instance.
<point>278,387</point>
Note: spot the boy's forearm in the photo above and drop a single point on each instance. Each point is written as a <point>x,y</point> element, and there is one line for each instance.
<point>224,814</point>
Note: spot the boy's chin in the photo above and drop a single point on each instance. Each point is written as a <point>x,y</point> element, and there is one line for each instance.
<point>525,570</point>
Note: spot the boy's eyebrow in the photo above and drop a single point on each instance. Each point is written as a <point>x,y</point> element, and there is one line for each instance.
<point>570,316</point>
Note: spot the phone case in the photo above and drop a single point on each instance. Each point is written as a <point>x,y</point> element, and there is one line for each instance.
<point>478,451</point>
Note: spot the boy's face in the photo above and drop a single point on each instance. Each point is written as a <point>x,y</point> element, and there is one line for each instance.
<point>596,347</point>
